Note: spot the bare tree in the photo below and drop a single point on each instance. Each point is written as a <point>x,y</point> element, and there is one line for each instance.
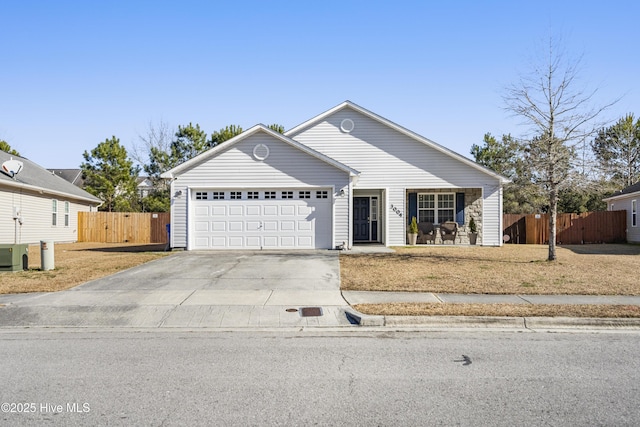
<point>560,117</point>
<point>158,137</point>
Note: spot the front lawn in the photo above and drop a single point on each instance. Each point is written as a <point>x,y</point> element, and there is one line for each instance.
<point>510,269</point>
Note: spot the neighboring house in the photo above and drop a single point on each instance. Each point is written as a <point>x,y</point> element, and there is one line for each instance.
<point>345,177</point>
<point>74,176</point>
<point>37,204</point>
<point>145,186</point>
<point>627,200</point>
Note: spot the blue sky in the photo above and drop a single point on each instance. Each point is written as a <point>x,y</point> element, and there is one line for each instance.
<point>74,73</point>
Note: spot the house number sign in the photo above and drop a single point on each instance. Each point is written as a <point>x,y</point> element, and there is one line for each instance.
<point>396,210</point>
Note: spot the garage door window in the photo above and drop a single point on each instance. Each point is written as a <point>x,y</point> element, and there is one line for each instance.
<point>269,194</point>
<point>287,194</point>
<point>253,195</point>
<point>202,195</point>
<point>236,195</point>
<point>304,194</point>
<point>322,194</point>
<point>218,195</point>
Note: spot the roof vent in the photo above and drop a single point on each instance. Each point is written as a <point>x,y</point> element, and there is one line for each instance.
<point>12,167</point>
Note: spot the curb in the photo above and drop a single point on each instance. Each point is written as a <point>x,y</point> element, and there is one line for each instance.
<point>357,318</point>
<point>481,322</point>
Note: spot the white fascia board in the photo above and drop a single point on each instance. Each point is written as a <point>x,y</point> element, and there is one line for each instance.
<point>622,196</point>
<point>43,191</point>
<point>402,130</point>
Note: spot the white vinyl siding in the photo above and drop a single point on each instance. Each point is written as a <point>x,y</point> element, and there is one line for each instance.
<point>390,159</point>
<point>37,217</point>
<point>626,203</point>
<point>236,169</point>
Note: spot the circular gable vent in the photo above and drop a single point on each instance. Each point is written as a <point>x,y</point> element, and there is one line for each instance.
<point>347,125</point>
<point>260,152</point>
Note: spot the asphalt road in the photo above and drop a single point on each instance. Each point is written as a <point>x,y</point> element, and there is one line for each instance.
<point>107,377</point>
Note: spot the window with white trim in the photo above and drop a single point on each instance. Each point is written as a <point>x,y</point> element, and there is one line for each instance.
<point>304,194</point>
<point>217,195</point>
<point>322,194</point>
<point>253,195</point>
<point>269,194</point>
<point>287,194</point>
<point>634,213</point>
<point>54,212</point>
<point>202,195</point>
<point>436,208</point>
<point>66,214</point>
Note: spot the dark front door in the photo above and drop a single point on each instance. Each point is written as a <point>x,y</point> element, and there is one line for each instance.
<point>361,221</point>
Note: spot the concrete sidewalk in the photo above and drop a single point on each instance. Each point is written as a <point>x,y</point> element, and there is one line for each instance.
<point>174,309</point>
<point>465,322</point>
<point>360,297</point>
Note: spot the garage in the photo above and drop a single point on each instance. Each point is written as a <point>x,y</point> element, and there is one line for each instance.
<point>279,218</point>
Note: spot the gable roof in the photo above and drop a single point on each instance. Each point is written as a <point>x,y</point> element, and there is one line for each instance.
<point>255,129</point>
<point>398,128</point>
<point>36,178</point>
<point>635,188</point>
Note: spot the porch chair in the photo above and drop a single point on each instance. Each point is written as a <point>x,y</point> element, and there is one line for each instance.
<point>449,231</point>
<point>426,232</point>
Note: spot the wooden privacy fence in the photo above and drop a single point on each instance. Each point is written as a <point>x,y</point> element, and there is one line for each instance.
<point>122,227</point>
<point>571,229</point>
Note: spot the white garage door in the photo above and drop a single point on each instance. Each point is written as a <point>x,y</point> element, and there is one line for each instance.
<point>261,219</point>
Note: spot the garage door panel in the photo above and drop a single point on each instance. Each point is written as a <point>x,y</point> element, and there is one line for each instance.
<point>262,223</point>
<point>305,225</point>
<point>202,226</point>
<point>218,226</point>
<point>270,210</point>
<point>270,241</point>
<point>219,242</point>
<point>305,210</point>
<point>253,241</point>
<point>236,242</point>
<point>287,226</point>
<point>270,225</point>
<point>218,210</point>
<point>202,211</point>
<point>288,241</point>
<point>254,210</point>
<point>236,225</point>
<point>236,210</point>
<point>202,242</point>
<point>304,241</point>
<point>287,210</point>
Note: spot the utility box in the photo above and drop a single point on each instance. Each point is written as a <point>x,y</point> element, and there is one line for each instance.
<point>14,257</point>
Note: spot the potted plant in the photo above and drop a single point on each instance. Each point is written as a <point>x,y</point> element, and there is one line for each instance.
<point>473,232</point>
<point>412,234</point>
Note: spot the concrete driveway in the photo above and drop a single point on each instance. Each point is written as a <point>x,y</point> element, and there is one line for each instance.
<point>197,289</point>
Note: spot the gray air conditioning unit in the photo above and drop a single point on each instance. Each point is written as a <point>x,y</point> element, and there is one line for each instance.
<point>14,257</point>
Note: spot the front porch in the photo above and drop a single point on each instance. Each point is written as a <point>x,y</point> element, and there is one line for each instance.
<point>437,206</point>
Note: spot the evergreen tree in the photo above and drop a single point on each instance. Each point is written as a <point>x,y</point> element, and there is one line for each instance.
<point>109,174</point>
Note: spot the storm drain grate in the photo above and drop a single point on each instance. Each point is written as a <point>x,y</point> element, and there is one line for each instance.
<point>311,311</point>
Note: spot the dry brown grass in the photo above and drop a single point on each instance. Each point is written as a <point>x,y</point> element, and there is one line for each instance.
<point>510,269</point>
<point>501,310</point>
<point>76,263</point>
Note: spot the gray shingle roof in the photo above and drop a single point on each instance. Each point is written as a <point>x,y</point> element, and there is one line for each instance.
<point>38,178</point>
<point>630,189</point>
